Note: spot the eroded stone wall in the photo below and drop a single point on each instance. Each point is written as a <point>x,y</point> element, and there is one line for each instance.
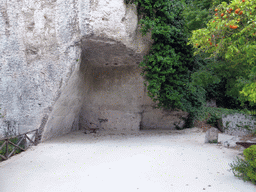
<point>68,65</point>
<point>38,55</point>
<point>115,92</point>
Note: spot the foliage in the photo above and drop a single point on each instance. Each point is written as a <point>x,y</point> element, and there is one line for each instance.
<point>216,113</point>
<point>170,31</point>
<point>250,154</point>
<point>247,167</point>
<point>170,61</point>
<point>214,141</point>
<point>198,12</point>
<point>234,45</point>
<point>248,86</point>
<point>217,81</point>
<point>175,82</point>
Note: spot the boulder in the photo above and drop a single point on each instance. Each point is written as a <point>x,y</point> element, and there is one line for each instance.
<point>228,140</point>
<point>88,131</point>
<point>211,135</point>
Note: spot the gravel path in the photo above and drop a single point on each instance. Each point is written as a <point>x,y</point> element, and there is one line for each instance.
<point>145,161</point>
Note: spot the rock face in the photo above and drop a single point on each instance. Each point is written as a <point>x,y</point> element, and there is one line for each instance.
<point>67,65</point>
<point>238,124</point>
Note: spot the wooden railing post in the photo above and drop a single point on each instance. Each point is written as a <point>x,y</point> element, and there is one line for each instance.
<point>7,148</point>
<point>36,137</point>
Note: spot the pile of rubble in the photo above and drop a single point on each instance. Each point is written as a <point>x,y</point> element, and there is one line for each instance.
<point>213,134</point>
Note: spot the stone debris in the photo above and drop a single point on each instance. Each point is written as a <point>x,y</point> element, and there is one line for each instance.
<point>228,140</point>
<point>91,130</point>
<point>211,135</point>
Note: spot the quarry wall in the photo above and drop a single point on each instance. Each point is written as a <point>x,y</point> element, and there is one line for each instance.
<point>69,65</point>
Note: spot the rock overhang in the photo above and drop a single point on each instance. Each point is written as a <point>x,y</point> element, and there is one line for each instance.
<point>107,52</point>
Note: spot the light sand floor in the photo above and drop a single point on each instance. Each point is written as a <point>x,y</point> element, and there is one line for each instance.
<point>147,161</point>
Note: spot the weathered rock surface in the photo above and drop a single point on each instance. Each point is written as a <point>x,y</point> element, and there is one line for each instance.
<point>238,124</point>
<point>67,65</point>
<point>228,140</point>
<point>211,135</point>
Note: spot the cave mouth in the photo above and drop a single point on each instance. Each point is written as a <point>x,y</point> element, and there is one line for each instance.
<point>114,86</point>
<point>106,91</point>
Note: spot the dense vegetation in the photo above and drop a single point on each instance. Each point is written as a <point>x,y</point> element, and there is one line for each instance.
<point>176,77</point>
<point>229,38</point>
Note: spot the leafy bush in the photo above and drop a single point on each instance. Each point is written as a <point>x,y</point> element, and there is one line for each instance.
<point>176,78</point>
<point>170,61</point>
<point>232,47</point>
<point>247,167</point>
<point>213,120</point>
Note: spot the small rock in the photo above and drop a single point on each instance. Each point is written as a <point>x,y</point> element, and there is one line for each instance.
<point>91,130</point>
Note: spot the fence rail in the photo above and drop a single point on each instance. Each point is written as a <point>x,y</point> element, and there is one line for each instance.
<point>24,137</point>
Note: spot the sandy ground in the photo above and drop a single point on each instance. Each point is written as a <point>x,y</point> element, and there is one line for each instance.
<point>147,161</point>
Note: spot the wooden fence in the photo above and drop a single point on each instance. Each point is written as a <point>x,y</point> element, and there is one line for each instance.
<point>24,136</point>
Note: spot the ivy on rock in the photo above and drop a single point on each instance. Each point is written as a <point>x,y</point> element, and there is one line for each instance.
<point>170,62</point>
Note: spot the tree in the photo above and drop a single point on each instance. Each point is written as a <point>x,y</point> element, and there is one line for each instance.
<point>233,43</point>
<point>198,12</point>
<point>216,85</point>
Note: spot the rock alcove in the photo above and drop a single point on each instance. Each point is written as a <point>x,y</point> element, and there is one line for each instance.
<point>107,92</point>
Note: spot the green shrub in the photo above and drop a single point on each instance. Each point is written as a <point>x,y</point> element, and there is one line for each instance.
<point>170,62</point>
<point>213,120</point>
<point>214,141</point>
<point>247,167</point>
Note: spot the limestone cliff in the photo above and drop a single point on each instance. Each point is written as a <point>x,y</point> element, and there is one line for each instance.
<point>67,65</point>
